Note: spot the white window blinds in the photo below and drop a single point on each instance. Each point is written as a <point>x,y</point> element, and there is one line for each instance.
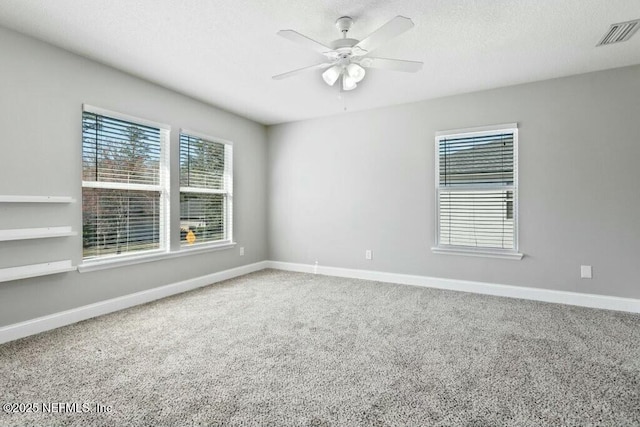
<point>476,190</point>
<point>124,186</point>
<point>206,189</point>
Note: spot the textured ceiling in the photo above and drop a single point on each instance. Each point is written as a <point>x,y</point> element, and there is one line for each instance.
<point>224,52</point>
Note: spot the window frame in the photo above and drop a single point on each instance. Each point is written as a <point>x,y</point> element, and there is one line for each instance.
<point>169,250</point>
<point>469,250</point>
<point>163,186</point>
<point>227,192</point>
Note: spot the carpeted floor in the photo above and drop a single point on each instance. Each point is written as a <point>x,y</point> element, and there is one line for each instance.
<point>281,349</point>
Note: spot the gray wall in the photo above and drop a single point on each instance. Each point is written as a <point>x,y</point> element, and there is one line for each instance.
<point>42,90</point>
<point>365,180</point>
<point>336,186</point>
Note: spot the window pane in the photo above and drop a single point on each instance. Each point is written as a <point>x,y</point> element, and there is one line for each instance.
<point>119,221</point>
<point>476,160</point>
<point>114,150</point>
<point>476,189</point>
<point>202,217</point>
<point>477,219</point>
<point>202,163</point>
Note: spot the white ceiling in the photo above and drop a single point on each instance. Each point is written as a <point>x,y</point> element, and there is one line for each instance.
<point>224,52</point>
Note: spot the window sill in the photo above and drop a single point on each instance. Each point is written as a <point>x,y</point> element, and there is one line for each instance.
<point>478,253</point>
<point>115,262</point>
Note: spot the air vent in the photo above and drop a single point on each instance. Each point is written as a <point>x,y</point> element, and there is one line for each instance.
<point>620,32</point>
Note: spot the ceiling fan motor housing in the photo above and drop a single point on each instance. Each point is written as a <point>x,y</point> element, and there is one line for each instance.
<point>344,23</point>
<point>343,43</point>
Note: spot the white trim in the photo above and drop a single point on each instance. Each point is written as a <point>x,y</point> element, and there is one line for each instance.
<point>479,130</point>
<point>516,190</point>
<point>114,185</point>
<point>121,116</point>
<point>36,199</point>
<point>186,249</point>
<point>56,320</point>
<point>228,185</point>
<point>478,253</point>
<point>35,233</point>
<point>165,194</point>
<point>481,187</point>
<point>204,136</point>
<point>124,260</point>
<point>35,270</point>
<point>202,190</point>
<point>536,294</point>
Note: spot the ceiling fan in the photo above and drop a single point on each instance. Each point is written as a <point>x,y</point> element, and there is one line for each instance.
<point>348,58</point>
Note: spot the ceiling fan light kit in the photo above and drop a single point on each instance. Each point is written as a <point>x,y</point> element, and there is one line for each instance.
<point>348,83</point>
<point>332,74</point>
<point>356,72</point>
<point>347,58</point>
<point>351,75</point>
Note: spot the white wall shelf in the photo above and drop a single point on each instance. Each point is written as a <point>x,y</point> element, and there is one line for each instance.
<point>35,270</point>
<point>36,199</point>
<point>35,233</point>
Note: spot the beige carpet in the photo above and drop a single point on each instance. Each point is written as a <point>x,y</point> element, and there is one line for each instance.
<point>282,349</point>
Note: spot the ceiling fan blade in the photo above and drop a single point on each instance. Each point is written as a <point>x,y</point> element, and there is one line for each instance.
<point>301,70</point>
<point>391,64</point>
<point>358,51</point>
<point>395,27</point>
<point>305,41</point>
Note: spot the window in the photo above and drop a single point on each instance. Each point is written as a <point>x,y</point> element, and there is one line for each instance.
<point>476,191</point>
<point>124,185</point>
<point>206,189</point>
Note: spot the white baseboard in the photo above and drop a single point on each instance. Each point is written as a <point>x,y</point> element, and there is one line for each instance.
<point>56,320</point>
<point>63,318</point>
<point>536,294</point>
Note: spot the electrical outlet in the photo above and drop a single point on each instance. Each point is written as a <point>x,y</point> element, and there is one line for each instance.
<point>368,254</point>
<point>241,250</point>
<point>586,272</point>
